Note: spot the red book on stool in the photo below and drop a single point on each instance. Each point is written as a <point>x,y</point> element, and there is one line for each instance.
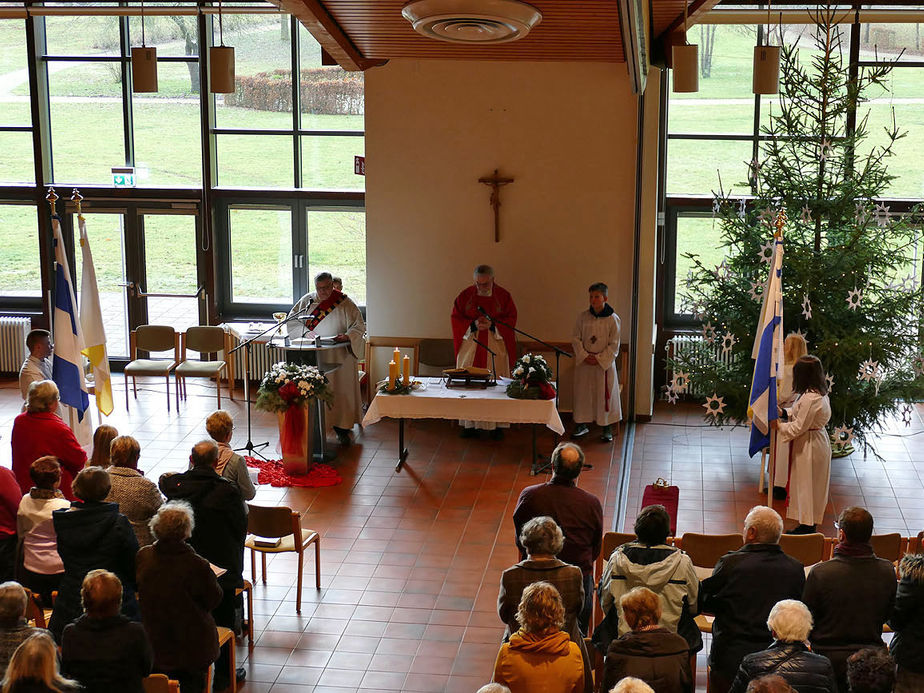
<point>662,493</point>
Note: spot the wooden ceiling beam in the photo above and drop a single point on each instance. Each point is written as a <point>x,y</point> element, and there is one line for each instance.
<point>328,33</point>
<point>697,9</point>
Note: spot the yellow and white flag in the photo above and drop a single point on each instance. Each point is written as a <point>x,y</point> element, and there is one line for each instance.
<point>91,323</point>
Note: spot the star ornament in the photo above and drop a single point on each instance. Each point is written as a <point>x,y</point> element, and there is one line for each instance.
<point>843,435</point>
<point>826,150</point>
<point>806,307</point>
<point>670,394</point>
<point>728,342</point>
<point>766,216</point>
<point>806,215</point>
<point>854,296</point>
<point>714,405</point>
<point>754,167</point>
<point>766,251</point>
<point>869,371</point>
<point>907,410</point>
<point>709,333</point>
<point>742,209</point>
<point>829,382</point>
<point>881,215</point>
<point>680,382</point>
<point>756,291</point>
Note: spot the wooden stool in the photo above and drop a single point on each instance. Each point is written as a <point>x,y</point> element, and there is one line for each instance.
<point>248,616</point>
<point>225,637</point>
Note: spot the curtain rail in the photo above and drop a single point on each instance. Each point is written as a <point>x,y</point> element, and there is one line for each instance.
<point>23,13</point>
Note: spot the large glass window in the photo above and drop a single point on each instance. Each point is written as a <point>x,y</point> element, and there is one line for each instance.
<point>15,118</point>
<point>21,276</point>
<point>261,255</point>
<point>337,244</point>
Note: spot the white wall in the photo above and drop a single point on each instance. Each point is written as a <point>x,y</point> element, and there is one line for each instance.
<point>565,131</point>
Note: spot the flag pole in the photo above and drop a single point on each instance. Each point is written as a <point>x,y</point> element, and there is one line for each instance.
<point>774,432</point>
<point>52,198</point>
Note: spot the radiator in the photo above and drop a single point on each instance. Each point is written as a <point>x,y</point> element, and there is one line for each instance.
<point>261,358</point>
<point>685,342</point>
<point>13,331</point>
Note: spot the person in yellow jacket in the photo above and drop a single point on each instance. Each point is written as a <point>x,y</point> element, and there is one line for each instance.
<point>540,657</point>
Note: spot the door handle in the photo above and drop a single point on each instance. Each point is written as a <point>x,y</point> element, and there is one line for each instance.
<point>130,286</point>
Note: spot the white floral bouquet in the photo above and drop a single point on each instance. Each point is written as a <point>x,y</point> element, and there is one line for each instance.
<point>532,379</point>
<point>291,385</point>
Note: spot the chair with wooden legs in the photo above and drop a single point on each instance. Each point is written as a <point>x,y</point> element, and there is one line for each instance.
<point>888,546</point>
<point>705,550</point>
<point>151,338</point>
<point>808,549</point>
<point>285,525</point>
<point>248,616</point>
<point>159,683</point>
<point>206,340</point>
<point>225,638</point>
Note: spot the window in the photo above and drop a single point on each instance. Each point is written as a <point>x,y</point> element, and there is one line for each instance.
<point>15,118</point>
<point>261,254</point>
<point>21,275</point>
<point>337,244</point>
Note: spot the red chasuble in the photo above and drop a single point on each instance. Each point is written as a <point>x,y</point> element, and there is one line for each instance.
<point>465,312</point>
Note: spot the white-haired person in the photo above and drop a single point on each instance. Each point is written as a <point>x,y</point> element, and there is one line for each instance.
<point>231,466</point>
<point>138,497</point>
<point>543,540</point>
<point>540,657</point>
<point>744,586</point>
<point>38,432</point>
<point>14,628</point>
<point>630,684</point>
<point>493,688</point>
<point>648,652</point>
<point>789,657</point>
<point>178,591</point>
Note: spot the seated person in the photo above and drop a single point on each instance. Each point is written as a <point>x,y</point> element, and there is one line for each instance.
<point>14,603</point>
<point>907,621</point>
<point>493,688</point>
<point>137,497</point>
<point>630,684</point>
<point>665,570</point>
<point>648,652</point>
<point>102,441</point>
<point>102,649</point>
<point>178,591</point>
<point>871,670</point>
<point>790,623</point>
<point>770,684</point>
<point>543,540</point>
<point>230,465</point>
<point>42,566</point>
<point>92,534</point>
<point>540,657</point>
<point>34,668</point>
<point>10,497</point>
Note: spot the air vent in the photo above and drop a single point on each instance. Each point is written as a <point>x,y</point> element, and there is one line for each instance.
<point>472,21</point>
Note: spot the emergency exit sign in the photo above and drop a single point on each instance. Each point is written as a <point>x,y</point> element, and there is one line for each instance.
<point>123,177</point>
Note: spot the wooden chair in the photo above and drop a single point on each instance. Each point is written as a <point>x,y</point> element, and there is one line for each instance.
<point>706,549</point>
<point>159,683</point>
<point>808,549</point>
<point>35,611</point>
<point>888,546</point>
<point>151,338</point>
<point>285,524</point>
<point>248,615</point>
<point>207,341</point>
<point>225,637</point>
<point>436,354</point>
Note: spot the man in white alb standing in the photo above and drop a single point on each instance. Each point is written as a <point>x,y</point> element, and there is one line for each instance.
<point>596,345</point>
<point>326,312</point>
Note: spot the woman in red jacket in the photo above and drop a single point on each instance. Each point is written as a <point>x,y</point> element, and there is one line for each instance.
<point>39,431</point>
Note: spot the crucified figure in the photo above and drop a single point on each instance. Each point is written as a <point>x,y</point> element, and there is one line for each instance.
<point>495,182</point>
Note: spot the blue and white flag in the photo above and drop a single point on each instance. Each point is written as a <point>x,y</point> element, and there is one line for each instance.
<point>67,366</point>
<point>767,354</point>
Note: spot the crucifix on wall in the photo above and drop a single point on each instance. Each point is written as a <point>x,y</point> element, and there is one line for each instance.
<point>495,182</point>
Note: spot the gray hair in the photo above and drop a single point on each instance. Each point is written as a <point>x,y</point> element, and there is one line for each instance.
<point>542,535</point>
<point>790,620</point>
<point>204,454</point>
<point>42,396</point>
<point>766,522</point>
<point>483,269</point>
<point>92,484</point>
<point>124,451</point>
<point>13,601</point>
<point>323,277</point>
<point>493,688</point>
<point>173,521</point>
<point>630,684</point>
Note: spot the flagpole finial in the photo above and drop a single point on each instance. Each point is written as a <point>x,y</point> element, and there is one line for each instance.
<point>78,198</point>
<point>52,197</point>
<point>780,222</point>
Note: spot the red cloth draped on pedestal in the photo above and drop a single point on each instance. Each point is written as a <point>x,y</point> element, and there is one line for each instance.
<point>498,305</point>
<point>292,435</point>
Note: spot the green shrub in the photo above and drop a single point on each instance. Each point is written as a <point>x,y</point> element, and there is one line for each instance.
<point>323,92</point>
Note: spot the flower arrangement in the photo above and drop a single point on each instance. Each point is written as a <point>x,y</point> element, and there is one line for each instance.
<point>288,385</point>
<point>532,379</point>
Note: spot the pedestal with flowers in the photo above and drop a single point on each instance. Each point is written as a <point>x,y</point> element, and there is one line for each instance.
<point>290,390</point>
<point>532,379</point>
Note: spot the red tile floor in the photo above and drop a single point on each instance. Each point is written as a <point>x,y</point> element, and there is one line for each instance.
<point>411,562</point>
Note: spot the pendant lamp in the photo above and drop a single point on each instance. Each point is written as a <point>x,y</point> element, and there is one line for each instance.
<point>766,78</point>
<point>144,64</point>
<point>221,63</point>
<point>685,62</point>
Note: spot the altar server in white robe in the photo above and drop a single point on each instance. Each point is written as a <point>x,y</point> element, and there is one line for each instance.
<point>794,347</point>
<point>810,454</point>
<point>595,341</point>
<point>326,312</point>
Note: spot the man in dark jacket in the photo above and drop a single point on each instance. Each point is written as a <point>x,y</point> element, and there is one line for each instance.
<point>851,595</point>
<point>577,512</point>
<point>743,588</point>
<point>788,657</point>
<point>219,532</point>
<point>907,621</point>
<point>102,649</point>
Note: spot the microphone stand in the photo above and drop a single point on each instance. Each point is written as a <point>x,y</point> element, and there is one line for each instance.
<point>493,354</point>
<point>559,352</point>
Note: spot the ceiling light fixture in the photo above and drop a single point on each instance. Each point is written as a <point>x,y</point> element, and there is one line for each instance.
<point>144,64</point>
<point>472,21</point>
<point>766,79</point>
<point>221,63</point>
<point>685,61</point>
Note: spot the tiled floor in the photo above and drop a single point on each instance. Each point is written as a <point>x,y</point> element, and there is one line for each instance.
<point>411,561</point>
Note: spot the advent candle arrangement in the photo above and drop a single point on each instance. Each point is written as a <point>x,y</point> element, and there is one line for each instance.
<point>397,357</point>
<point>392,374</point>
<point>406,371</point>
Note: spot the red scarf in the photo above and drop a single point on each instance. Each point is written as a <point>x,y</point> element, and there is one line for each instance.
<point>323,309</point>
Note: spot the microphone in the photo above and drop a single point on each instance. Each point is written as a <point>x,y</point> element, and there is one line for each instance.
<point>483,312</point>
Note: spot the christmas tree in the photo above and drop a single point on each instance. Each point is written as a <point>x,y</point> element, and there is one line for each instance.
<point>848,270</point>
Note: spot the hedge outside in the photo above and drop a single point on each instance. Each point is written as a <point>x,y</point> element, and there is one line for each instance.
<point>323,92</point>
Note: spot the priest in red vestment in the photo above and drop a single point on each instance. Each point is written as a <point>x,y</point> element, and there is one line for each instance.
<point>470,323</point>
